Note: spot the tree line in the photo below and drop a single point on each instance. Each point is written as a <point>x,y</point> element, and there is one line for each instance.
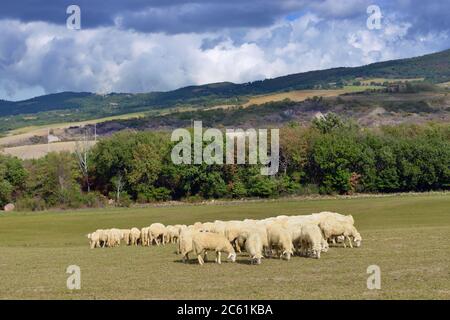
<point>330,156</point>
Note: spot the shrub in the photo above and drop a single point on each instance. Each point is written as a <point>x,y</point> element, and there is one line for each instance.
<point>30,204</point>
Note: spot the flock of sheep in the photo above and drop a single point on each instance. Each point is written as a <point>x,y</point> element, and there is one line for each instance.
<point>281,236</point>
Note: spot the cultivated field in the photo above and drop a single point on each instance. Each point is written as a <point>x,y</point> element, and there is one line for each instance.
<point>444,84</point>
<point>301,95</point>
<point>18,136</point>
<point>407,236</point>
<point>37,151</point>
<point>388,80</point>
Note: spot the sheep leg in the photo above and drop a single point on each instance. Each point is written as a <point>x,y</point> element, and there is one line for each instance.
<point>200,260</point>
<point>218,253</point>
<point>236,244</point>
<point>349,241</point>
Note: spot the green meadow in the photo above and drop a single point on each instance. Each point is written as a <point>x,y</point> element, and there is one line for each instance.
<point>407,236</point>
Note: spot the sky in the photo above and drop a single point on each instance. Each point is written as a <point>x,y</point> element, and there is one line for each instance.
<point>159,45</point>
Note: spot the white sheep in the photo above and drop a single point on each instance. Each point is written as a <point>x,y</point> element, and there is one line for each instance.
<point>311,240</point>
<point>254,247</point>
<point>335,228</point>
<point>295,230</point>
<point>156,232</point>
<point>185,243</point>
<point>113,237</point>
<point>94,239</point>
<point>171,234</point>
<point>247,229</point>
<point>102,237</point>
<point>126,236</point>
<point>204,241</point>
<point>280,238</point>
<point>135,236</point>
<point>145,241</point>
<point>232,231</point>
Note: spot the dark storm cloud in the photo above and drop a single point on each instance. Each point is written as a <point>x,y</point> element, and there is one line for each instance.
<point>179,16</point>
<point>424,16</point>
<point>174,16</point>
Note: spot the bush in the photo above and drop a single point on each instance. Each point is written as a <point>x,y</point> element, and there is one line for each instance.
<point>238,190</point>
<point>263,186</point>
<point>308,190</point>
<point>30,204</point>
<point>93,200</point>
<point>153,194</point>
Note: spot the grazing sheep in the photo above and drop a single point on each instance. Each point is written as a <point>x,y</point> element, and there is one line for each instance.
<point>185,243</point>
<point>311,240</point>
<point>247,230</point>
<point>135,236</point>
<point>295,230</point>
<point>94,239</point>
<point>280,238</point>
<point>356,238</point>
<point>172,234</point>
<point>126,236</point>
<point>254,247</point>
<point>102,237</point>
<point>145,239</point>
<point>156,232</point>
<point>204,241</point>
<point>237,231</point>
<point>332,229</point>
<point>113,237</point>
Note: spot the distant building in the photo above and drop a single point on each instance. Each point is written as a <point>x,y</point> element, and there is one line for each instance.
<point>52,138</point>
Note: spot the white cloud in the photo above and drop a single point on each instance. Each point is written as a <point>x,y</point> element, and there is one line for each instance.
<point>44,57</point>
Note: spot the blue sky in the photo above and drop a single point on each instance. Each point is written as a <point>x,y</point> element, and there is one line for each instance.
<point>141,46</point>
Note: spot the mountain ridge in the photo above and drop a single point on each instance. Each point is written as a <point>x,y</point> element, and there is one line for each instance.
<point>433,67</point>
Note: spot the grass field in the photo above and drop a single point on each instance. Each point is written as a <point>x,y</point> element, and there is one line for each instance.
<point>408,237</point>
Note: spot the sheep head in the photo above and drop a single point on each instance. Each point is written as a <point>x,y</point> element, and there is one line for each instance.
<point>256,259</point>
<point>287,254</point>
<point>357,240</point>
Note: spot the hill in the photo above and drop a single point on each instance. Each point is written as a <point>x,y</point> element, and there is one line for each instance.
<point>71,106</point>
